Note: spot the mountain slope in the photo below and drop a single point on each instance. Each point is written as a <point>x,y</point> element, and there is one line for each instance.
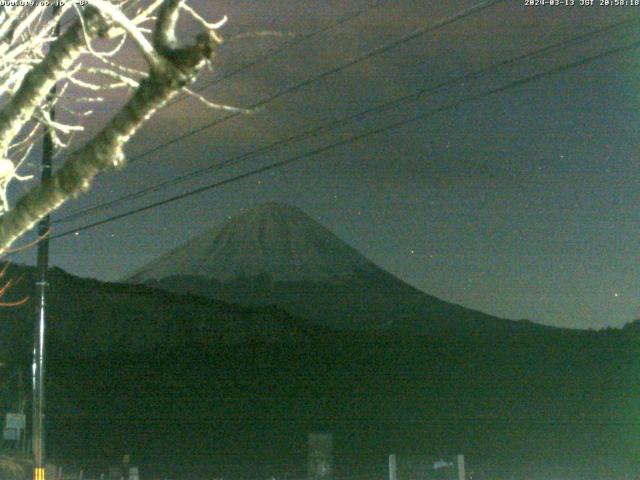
<point>197,381</point>
<point>88,317</point>
<point>513,402</point>
<point>276,254</point>
<point>272,239</point>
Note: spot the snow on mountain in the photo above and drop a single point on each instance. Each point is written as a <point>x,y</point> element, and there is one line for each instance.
<point>278,240</point>
<point>277,255</point>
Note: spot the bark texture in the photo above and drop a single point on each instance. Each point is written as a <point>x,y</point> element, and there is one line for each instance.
<point>175,68</point>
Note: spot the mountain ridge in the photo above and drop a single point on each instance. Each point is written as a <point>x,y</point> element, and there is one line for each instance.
<point>122,355</point>
<point>272,238</point>
<point>107,317</point>
<point>275,254</point>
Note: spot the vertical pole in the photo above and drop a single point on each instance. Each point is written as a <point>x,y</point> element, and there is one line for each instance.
<point>22,431</point>
<point>320,456</point>
<point>39,337</point>
<point>461,472</point>
<point>393,467</point>
<point>41,285</point>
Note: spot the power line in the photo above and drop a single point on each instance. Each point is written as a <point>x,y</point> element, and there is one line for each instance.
<point>349,118</point>
<point>258,61</point>
<point>374,52</point>
<point>293,88</point>
<point>285,46</point>
<point>355,138</point>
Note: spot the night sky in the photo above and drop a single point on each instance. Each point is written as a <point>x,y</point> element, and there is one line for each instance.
<point>522,204</point>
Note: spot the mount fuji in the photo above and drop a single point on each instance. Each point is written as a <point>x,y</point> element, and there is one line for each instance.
<point>276,254</point>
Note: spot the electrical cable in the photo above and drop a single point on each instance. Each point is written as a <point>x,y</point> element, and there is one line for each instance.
<point>295,87</point>
<point>344,120</point>
<point>355,138</point>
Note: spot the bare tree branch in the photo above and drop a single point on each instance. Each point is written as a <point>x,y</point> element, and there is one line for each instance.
<point>173,67</point>
<point>38,82</point>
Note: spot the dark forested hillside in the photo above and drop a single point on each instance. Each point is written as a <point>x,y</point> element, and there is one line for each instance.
<point>88,317</point>
<point>189,383</point>
<point>566,401</point>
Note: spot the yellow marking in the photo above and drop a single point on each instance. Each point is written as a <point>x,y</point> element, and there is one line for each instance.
<point>39,473</point>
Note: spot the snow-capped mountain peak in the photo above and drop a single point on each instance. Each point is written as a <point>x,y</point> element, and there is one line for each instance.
<point>276,240</point>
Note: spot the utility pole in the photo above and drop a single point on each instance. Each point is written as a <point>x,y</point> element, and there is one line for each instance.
<point>37,428</point>
<point>393,467</point>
